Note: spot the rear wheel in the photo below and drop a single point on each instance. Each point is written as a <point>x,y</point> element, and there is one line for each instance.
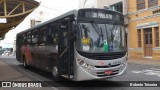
<point>55,74</point>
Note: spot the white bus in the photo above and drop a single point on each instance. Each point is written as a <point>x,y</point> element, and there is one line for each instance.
<point>84,44</point>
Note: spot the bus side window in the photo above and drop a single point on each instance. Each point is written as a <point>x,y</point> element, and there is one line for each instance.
<point>55,40</point>
<point>49,35</point>
<point>55,35</point>
<point>29,38</point>
<point>35,37</point>
<point>42,35</point>
<point>24,39</point>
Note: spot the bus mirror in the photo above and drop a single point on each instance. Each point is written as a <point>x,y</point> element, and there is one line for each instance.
<point>74,30</point>
<point>73,35</point>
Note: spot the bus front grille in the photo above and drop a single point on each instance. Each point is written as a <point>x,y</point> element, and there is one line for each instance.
<point>102,74</point>
<point>107,57</point>
<point>107,66</point>
<point>103,56</point>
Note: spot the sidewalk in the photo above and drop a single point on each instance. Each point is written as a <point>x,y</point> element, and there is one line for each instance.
<point>144,61</point>
<point>9,73</point>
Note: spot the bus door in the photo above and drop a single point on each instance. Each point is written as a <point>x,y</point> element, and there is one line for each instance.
<point>66,50</point>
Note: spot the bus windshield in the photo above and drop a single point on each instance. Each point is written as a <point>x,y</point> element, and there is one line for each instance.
<point>100,37</point>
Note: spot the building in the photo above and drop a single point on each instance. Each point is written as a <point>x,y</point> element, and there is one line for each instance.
<point>144,23</point>
<point>34,22</point>
<point>117,5</point>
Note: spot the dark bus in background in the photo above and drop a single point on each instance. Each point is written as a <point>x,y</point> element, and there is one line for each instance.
<point>82,44</point>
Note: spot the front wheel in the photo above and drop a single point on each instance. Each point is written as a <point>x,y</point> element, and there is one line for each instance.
<point>55,74</point>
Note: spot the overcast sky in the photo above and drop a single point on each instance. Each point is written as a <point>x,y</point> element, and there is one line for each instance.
<point>49,9</point>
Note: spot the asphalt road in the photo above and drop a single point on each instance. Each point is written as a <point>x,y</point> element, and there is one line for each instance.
<point>11,70</point>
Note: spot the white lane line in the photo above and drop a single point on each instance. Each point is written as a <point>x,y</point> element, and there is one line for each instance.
<point>151,71</point>
<point>32,75</point>
<point>155,69</point>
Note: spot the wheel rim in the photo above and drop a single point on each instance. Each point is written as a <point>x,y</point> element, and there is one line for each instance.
<point>55,71</point>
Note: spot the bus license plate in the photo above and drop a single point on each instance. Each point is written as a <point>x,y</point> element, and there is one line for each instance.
<point>108,72</point>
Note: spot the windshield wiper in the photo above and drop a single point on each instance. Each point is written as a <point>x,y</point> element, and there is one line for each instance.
<point>97,29</point>
<point>99,32</point>
<point>112,29</point>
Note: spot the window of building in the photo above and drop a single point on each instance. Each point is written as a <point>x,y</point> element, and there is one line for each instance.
<point>152,3</point>
<point>157,36</point>
<point>139,38</point>
<point>140,4</point>
<point>117,7</point>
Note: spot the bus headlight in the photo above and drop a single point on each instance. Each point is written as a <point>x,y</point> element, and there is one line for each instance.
<point>84,65</point>
<point>90,67</point>
<point>80,62</point>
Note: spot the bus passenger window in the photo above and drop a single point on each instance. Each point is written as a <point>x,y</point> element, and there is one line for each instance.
<point>55,40</point>
<point>49,36</point>
<point>28,37</point>
<point>24,39</point>
<point>42,37</point>
<point>35,37</point>
<point>49,39</point>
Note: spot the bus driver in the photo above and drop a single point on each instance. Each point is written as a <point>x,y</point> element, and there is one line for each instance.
<point>86,40</point>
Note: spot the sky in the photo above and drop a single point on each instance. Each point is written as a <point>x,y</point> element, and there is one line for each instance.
<point>49,9</point>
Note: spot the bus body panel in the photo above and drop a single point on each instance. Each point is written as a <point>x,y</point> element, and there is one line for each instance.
<point>82,73</point>
<point>36,57</point>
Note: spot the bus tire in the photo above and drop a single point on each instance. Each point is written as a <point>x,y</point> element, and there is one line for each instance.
<point>24,63</point>
<point>56,76</point>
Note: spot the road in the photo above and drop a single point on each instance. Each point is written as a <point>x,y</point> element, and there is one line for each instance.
<point>11,70</point>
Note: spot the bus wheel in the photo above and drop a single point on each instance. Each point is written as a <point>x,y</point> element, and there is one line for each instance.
<point>55,74</point>
<point>24,63</point>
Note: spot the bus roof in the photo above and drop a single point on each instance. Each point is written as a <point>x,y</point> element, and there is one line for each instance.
<point>72,12</point>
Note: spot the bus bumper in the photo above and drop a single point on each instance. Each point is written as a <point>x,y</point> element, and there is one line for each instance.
<point>82,74</point>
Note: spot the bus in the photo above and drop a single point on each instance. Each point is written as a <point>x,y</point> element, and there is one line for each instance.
<point>83,44</point>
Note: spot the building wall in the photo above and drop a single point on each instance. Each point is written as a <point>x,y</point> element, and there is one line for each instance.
<point>102,4</point>
<point>107,3</point>
<point>143,19</point>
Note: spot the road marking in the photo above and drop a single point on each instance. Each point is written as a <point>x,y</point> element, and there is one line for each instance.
<point>33,75</point>
<point>151,71</point>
